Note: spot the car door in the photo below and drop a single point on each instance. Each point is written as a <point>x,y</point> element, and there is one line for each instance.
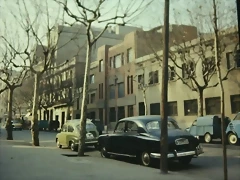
<point>62,135</point>
<point>117,138</point>
<point>69,134</point>
<point>131,138</point>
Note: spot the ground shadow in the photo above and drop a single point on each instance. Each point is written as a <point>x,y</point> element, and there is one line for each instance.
<point>73,155</point>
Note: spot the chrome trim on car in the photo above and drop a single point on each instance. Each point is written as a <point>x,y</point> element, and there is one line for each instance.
<point>176,154</point>
<point>117,154</point>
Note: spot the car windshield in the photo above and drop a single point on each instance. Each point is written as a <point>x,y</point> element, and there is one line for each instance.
<point>88,126</point>
<point>237,117</point>
<point>155,125</point>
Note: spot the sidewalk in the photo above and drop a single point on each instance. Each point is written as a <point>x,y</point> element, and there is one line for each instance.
<point>27,162</point>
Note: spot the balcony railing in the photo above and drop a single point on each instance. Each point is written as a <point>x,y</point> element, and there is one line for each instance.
<point>66,83</point>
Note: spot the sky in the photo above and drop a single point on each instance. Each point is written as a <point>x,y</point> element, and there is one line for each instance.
<point>13,14</point>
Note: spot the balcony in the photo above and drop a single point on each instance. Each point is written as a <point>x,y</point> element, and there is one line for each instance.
<point>66,83</point>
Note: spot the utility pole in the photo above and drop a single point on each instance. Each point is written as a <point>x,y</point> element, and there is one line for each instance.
<point>238,18</point>
<point>164,93</point>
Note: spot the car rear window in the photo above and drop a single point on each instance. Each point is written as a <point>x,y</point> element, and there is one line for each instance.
<point>155,125</point>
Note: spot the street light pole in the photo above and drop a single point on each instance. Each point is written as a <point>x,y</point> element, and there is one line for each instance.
<point>164,93</point>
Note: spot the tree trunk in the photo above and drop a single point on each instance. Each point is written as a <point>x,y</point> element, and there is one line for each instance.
<point>200,102</point>
<point>84,102</point>
<point>145,102</point>
<point>219,74</point>
<point>9,127</point>
<point>164,94</point>
<point>34,123</point>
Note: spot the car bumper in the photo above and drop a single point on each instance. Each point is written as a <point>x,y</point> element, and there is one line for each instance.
<point>176,154</point>
<point>89,143</point>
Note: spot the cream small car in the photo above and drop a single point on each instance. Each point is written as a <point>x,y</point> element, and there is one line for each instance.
<point>69,135</point>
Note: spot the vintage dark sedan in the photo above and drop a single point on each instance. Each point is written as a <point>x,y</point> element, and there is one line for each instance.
<point>139,137</point>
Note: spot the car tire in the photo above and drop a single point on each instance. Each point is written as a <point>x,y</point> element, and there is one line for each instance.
<point>145,159</point>
<point>185,160</point>
<point>104,152</point>
<point>58,144</point>
<point>232,139</point>
<point>207,138</point>
<point>73,146</point>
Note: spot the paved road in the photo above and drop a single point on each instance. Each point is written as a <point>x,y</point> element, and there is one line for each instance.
<point>208,165</point>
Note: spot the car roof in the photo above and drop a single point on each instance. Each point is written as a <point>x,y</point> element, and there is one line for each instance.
<point>145,118</point>
<point>77,121</point>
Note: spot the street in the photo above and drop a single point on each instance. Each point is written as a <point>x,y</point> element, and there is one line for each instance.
<point>208,165</point>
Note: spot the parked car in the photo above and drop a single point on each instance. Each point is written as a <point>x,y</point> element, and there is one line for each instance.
<point>17,124</point>
<point>233,130</point>
<point>70,133</point>
<point>139,137</point>
<point>99,124</point>
<point>207,128</point>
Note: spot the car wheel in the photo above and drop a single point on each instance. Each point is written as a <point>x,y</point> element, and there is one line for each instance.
<point>73,147</point>
<point>185,160</point>
<point>58,144</point>
<point>104,153</point>
<point>232,139</point>
<point>145,158</point>
<point>207,138</point>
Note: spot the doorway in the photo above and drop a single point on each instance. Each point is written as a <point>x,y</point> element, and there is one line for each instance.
<point>63,119</point>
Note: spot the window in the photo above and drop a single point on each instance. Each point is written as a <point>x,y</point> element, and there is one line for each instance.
<point>235,103</point>
<point>111,62</point>
<point>194,123</point>
<point>100,91</point>
<point>120,127</point>
<point>92,79</point>
<point>233,60</point>
<point>70,129</point>
<point>209,66</point>
<point>92,98</point>
<point>117,61</point>
<point>141,79</point>
<point>130,111</point>
<point>171,73</point>
<point>212,105</point>
<point>112,114</point>
<point>130,55</point>
<point>71,74</point>
<point>130,84</point>
<point>78,103</point>
<point>172,108</point>
<point>190,107</point>
<point>153,77</point>
<point>121,112</point>
<point>141,109</point>
<point>237,117</point>
<point>120,90</point>
<point>112,92</point>
<point>155,109</point>
<point>156,125</point>
<point>184,71</point>
<point>64,128</point>
<point>131,126</point>
<point>101,68</point>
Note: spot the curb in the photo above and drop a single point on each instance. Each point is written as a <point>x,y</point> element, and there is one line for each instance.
<point>236,147</point>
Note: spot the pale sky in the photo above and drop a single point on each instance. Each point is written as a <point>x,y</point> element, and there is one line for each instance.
<point>151,17</point>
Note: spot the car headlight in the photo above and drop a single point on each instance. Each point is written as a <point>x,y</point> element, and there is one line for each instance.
<point>89,136</point>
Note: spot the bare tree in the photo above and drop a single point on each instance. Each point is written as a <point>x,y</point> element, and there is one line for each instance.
<point>12,79</point>
<point>39,52</point>
<point>88,15</point>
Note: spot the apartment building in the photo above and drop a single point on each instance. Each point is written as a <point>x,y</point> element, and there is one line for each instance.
<point>183,100</point>
<point>60,88</point>
<point>71,41</point>
<point>112,93</point>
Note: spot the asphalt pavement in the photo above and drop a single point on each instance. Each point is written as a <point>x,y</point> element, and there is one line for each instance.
<point>206,166</point>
